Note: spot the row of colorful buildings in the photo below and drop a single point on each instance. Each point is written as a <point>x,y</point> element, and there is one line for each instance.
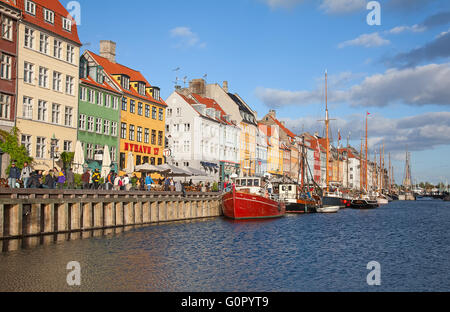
<point>56,97</point>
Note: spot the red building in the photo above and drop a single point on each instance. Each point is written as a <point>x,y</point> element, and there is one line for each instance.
<point>9,16</point>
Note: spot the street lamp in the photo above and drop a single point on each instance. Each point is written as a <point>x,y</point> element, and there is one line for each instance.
<point>54,149</point>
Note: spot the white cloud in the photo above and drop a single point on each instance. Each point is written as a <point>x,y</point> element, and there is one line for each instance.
<point>400,29</point>
<point>419,86</point>
<point>342,6</point>
<point>282,3</point>
<point>187,37</point>
<point>366,40</point>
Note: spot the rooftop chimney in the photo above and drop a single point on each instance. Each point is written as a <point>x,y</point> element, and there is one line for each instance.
<point>108,50</point>
<point>197,86</point>
<point>225,86</point>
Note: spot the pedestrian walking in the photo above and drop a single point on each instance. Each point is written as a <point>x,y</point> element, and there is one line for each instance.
<point>166,184</point>
<point>86,179</point>
<point>96,179</point>
<point>117,183</point>
<point>25,175</point>
<point>70,179</point>
<point>110,180</point>
<point>172,185</point>
<point>61,180</point>
<point>148,182</point>
<point>14,174</point>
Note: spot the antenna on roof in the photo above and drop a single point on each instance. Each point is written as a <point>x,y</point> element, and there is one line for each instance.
<point>205,76</point>
<point>176,78</point>
<point>184,80</point>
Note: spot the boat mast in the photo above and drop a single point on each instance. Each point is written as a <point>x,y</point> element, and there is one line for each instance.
<point>361,168</point>
<point>390,176</point>
<point>327,129</point>
<point>365,166</point>
<point>348,150</point>
<point>375,172</point>
<point>384,180</point>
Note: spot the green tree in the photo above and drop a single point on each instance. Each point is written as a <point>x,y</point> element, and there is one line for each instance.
<point>67,159</point>
<point>9,143</point>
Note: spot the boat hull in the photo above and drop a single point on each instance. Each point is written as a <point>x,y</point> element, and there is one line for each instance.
<point>241,206</point>
<point>333,201</point>
<point>363,204</point>
<point>301,206</point>
<point>328,209</point>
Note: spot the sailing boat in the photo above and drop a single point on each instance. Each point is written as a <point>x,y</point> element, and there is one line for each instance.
<point>331,202</point>
<point>364,201</point>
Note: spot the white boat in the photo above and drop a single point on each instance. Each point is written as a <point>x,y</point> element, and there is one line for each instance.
<point>328,209</point>
<point>382,200</point>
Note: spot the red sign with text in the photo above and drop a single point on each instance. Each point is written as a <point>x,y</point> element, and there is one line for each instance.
<point>137,148</point>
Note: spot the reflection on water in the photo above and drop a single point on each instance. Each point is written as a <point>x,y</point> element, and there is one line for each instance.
<point>316,252</point>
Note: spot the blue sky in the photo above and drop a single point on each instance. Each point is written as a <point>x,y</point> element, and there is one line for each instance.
<point>274,54</point>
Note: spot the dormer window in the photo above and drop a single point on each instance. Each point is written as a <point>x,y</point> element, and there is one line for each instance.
<point>125,81</point>
<point>30,7</point>
<point>49,16</point>
<point>141,88</point>
<point>156,93</point>
<point>67,24</point>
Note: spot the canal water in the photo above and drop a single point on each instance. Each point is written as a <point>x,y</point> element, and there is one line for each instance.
<point>315,252</point>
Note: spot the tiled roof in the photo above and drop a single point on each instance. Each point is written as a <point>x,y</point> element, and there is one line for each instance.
<point>106,86</point>
<point>286,130</point>
<point>118,69</point>
<point>10,2</point>
<point>38,19</point>
<point>210,103</point>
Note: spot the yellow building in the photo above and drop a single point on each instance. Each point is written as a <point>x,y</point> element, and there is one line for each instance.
<point>274,153</point>
<point>47,84</point>
<point>143,112</point>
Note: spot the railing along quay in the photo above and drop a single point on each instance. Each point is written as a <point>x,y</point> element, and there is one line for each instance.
<point>30,217</point>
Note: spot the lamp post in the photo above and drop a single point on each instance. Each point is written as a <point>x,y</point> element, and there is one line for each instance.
<point>53,149</point>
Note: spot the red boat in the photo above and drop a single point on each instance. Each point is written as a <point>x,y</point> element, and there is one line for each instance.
<point>242,203</point>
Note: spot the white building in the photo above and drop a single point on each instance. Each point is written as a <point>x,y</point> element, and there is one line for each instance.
<point>261,152</point>
<point>201,136</point>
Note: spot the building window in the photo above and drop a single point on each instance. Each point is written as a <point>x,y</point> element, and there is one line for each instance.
<point>67,146</point>
<point>107,100</point>
<point>169,112</point>
<point>141,88</point>
<point>28,72</point>
<point>131,133</point>
<point>29,38</point>
<point>55,113</point>
<point>113,154</point>
<point>161,114</point>
<point>67,24</point>
<point>160,138</point>
<point>152,161</point>
<point>139,134</point>
<point>179,112</point>
<point>27,107</point>
<point>91,96</point>
<point>83,94</point>
<point>132,106</point>
<point>57,49</point>
<point>98,125</point>
<point>5,104</point>
<point>187,146</point>
<point>57,81</point>
<point>124,104</point>
<point>69,85</point>
<point>42,110</point>
<point>153,137</point>
<point>113,128</point>
<point>106,127</point>
<point>115,103</point>
<point>26,142</point>
<point>138,160</point>
<point>43,77</point>
<point>30,7</point>
<point>7,25</point>
<point>70,57</point>
<point>154,112</point>
<point>187,127</point>
<point>90,151</point>
<point>147,111</point>
<point>123,131</point>
<point>100,99</point>
<point>122,161</point>
<point>139,108</point>
<point>5,72</point>
<point>125,82</point>
<point>43,46</point>
<point>40,147</point>
<point>68,116</point>
<point>146,136</point>
<point>82,122</point>
<point>90,124</point>
<point>49,16</point>
<point>160,161</point>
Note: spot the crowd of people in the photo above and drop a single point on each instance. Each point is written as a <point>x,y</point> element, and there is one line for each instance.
<point>92,180</point>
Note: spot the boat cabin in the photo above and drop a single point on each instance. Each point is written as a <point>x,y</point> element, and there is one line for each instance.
<point>288,192</point>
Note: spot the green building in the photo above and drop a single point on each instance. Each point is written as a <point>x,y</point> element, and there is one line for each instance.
<point>98,113</point>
